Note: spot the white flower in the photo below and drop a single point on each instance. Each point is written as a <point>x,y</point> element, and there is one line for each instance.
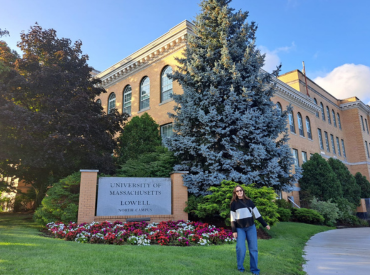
<point>203,242</point>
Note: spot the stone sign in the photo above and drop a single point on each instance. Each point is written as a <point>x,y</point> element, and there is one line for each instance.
<point>133,196</point>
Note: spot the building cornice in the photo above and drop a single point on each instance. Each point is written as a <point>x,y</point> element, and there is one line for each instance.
<point>295,97</point>
<point>320,94</point>
<point>358,104</point>
<point>170,42</point>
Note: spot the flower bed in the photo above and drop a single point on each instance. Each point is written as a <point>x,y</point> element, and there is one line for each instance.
<point>179,233</point>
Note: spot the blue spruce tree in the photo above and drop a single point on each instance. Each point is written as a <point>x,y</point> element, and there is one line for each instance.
<point>226,127</point>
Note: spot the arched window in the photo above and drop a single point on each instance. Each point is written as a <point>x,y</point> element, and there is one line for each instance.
<point>99,101</point>
<point>308,128</point>
<point>339,124</point>
<point>300,124</point>
<point>328,113</point>
<point>144,93</point>
<point>334,120</point>
<point>166,84</point>
<point>322,111</point>
<point>291,122</point>
<point>127,92</point>
<point>278,106</point>
<point>317,113</point>
<point>111,102</point>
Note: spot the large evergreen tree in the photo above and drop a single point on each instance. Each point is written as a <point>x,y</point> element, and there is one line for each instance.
<point>226,126</point>
<point>364,185</point>
<point>50,125</point>
<point>351,190</point>
<point>318,180</point>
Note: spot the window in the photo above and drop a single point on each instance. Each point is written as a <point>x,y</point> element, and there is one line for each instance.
<point>334,120</point>
<point>338,118</point>
<point>367,127</point>
<point>332,144</point>
<point>362,123</point>
<point>111,102</point>
<point>338,146</point>
<point>300,125</point>
<point>367,149</point>
<point>166,131</point>
<point>308,128</point>
<point>317,113</point>
<point>328,113</point>
<point>295,156</point>
<point>327,141</point>
<point>144,93</point>
<point>166,84</point>
<point>278,106</point>
<point>343,148</point>
<point>127,99</point>
<point>304,157</point>
<point>99,102</point>
<point>322,111</point>
<point>291,122</point>
<point>320,139</point>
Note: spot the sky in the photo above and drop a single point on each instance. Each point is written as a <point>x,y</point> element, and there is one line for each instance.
<point>332,37</point>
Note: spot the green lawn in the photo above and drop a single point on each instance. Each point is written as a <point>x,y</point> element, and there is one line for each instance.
<point>24,251</point>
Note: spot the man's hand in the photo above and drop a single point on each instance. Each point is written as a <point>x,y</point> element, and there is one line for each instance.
<point>268,227</point>
<point>235,235</point>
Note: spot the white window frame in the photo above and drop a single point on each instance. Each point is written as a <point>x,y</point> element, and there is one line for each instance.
<point>166,84</point>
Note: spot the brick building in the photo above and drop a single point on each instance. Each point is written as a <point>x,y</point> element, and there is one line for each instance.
<point>319,123</point>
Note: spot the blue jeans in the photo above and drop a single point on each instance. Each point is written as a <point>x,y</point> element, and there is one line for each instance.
<point>249,233</point>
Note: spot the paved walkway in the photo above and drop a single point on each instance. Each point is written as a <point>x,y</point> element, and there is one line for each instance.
<point>339,251</point>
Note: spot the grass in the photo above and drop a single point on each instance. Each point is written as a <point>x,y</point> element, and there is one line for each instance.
<point>24,251</point>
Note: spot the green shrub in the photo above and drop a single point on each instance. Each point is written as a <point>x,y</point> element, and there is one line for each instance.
<point>329,210</point>
<point>219,202</point>
<point>347,212</point>
<point>284,214</point>
<point>281,203</point>
<point>192,203</point>
<point>60,202</point>
<point>355,221</point>
<point>308,216</point>
<point>154,164</point>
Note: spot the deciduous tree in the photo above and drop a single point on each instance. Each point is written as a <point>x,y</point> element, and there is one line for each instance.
<point>351,190</point>
<point>319,180</point>
<point>364,185</point>
<point>50,124</point>
<point>139,136</point>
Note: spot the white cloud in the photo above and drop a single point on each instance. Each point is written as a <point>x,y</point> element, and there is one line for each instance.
<point>346,81</point>
<point>272,59</point>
